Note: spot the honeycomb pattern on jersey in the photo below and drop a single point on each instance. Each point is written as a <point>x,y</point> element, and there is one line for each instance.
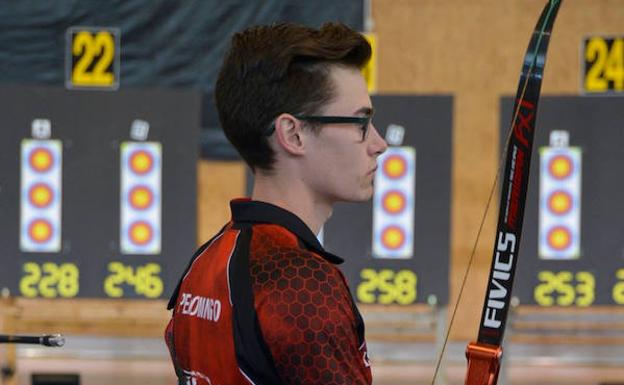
<point>304,310</point>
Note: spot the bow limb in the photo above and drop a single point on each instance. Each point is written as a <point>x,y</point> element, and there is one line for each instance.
<point>484,354</point>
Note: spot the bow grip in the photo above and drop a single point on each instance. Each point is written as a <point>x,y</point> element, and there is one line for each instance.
<point>483,363</point>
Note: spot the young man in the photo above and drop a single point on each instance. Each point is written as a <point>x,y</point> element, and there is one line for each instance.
<point>263,302</point>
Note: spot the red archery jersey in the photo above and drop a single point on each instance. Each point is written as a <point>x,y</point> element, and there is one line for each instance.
<point>263,303</point>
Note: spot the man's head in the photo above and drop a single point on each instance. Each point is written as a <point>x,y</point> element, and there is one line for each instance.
<point>285,68</point>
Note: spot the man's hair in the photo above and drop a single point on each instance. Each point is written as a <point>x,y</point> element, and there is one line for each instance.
<point>282,68</point>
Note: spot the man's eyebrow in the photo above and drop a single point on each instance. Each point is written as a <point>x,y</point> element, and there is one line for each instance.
<point>368,111</point>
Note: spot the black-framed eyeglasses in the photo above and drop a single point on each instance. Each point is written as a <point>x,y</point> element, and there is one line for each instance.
<point>362,121</point>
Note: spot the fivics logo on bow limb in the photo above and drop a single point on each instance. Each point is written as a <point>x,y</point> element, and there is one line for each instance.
<point>514,188</point>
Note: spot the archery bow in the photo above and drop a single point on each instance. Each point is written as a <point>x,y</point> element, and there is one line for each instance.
<point>484,354</point>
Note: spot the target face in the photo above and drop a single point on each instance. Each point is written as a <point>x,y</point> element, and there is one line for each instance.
<point>40,231</point>
<point>140,197</point>
<point>41,169</point>
<point>140,233</point>
<point>561,167</point>
<point>559,238</point>
<point>560,203</point>
<point>41,195</point>
<point>394,166</point>
<point>393,237</point>
<point>141,162</point>
<point>394,202</point>
<point>41,159</point>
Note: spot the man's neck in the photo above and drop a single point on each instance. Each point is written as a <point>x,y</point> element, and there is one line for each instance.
<point>294,197</point>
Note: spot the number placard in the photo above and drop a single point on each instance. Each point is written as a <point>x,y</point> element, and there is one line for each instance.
<point>370,69</point>
<point>49,280</point>
<point>92,58</point>
<point>565,288</point>
<point>603,65</point>
<point>618,289</point>
<point>387,287</point>
<point>145,280</point>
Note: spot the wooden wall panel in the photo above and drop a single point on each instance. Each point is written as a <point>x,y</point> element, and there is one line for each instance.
<point>473,49</point>
<point>218,183</point>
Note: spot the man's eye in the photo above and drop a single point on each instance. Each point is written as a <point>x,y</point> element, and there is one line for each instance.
<point>366,125</point>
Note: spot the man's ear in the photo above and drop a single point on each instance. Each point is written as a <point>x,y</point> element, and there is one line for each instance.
<point>289,135</point>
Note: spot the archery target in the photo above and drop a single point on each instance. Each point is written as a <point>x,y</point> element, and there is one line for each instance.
<point>140,197</point>
<point>40,198</point>
<point>393,204</point>
<point>559,203</point>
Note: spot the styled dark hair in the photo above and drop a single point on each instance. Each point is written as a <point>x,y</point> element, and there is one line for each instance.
<point>269,70</point>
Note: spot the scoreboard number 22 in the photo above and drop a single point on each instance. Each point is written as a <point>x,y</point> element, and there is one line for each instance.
<point>92,58</point>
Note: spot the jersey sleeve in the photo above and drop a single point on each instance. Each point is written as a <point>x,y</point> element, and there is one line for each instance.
<point>305,313</point>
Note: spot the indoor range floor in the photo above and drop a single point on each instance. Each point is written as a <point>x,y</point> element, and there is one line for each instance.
<point>134,361</point>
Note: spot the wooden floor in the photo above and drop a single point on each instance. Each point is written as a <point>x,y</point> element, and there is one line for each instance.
<point>159,372</point>
<point>136,361</point>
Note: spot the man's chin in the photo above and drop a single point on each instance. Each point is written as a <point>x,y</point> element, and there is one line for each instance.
<point>364,195</point>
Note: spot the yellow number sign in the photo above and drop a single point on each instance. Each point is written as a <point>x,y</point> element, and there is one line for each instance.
<point>145,279</point>
<point>387,286</point>
<point>370,71</point>
<point>49,280</point>
<point>618,288</point>
<point>565,288</point>
<point>603,65</point>
<point>92,58</point>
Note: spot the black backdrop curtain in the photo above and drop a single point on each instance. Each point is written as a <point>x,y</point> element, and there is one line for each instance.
<point>167,43</point>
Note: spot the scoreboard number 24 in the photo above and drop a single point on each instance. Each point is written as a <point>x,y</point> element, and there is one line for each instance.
<point>603,63</point>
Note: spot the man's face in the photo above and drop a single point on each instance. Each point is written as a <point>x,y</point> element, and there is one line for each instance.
<point>340,166</point>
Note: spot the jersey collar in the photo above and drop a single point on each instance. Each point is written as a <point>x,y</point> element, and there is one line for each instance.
<point>246,210</point>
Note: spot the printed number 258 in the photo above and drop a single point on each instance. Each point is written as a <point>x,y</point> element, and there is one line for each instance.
<point>387,286</point>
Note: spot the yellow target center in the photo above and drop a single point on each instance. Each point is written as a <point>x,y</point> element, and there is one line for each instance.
<point>141,162</point>
<point>560,202</point>
<point>560,167</point>
<point>393,237</point>
<point>140,198</point>
<point>395,166</point>
<point>394,202</point>
<point>41,195</point>
<point>140,233</point>
<point>40,231</point>
<point>41,160</point>
<point>559,238</point>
